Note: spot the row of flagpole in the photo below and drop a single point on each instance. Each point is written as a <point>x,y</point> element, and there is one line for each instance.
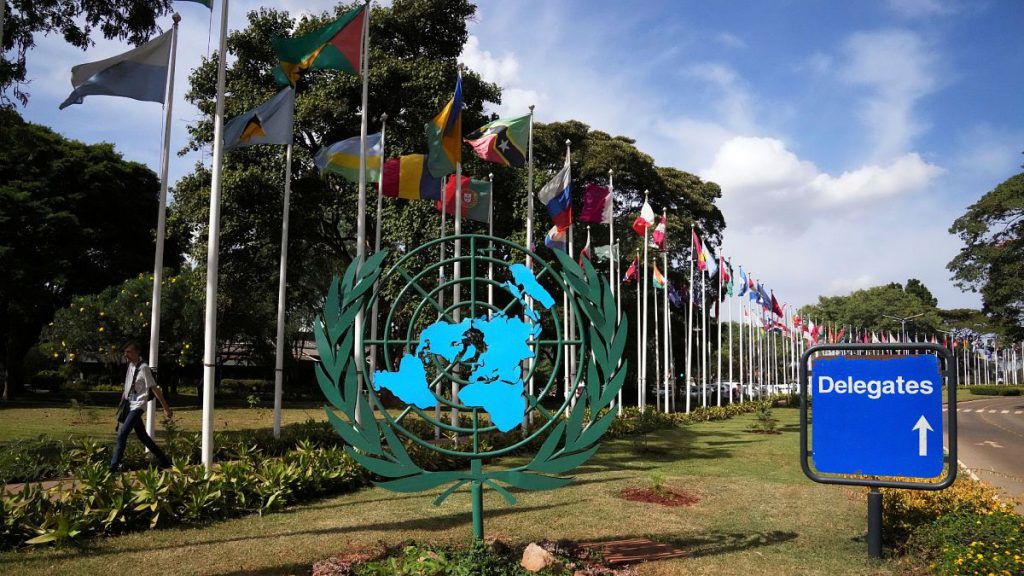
<point>762,358</point>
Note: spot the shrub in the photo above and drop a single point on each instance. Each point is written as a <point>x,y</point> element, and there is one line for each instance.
<point>903,511</point>
<point>997,390</point>
<point>969,543</point>
<point>51,380</point>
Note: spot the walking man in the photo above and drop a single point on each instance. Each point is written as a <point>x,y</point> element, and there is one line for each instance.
<point>138,382</point>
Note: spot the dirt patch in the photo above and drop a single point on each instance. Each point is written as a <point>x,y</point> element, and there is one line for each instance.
<point>663,496</point>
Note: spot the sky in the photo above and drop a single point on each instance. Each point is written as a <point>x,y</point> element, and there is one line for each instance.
<point>846,136</point>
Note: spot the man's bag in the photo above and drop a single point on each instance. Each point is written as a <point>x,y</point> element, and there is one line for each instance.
<point>122,413</point>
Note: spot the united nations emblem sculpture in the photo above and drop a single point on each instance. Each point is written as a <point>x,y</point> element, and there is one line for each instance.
<point>492,359</point>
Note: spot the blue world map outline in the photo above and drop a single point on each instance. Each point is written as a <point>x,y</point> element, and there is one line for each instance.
<point>493,348</point>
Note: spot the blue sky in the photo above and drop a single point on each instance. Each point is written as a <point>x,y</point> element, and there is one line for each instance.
<point>846,136</point>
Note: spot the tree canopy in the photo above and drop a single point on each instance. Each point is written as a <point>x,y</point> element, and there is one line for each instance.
<point>412,76</point>
<point>74,219</point>
<point>991,261</point>
<point>879,309</point>
<point>77,21</point>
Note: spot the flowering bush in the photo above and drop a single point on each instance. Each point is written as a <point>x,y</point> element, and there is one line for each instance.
<point>903,511</point>
<point>969,543</point>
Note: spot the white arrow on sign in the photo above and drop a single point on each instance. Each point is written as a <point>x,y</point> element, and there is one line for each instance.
<point>923,428</point>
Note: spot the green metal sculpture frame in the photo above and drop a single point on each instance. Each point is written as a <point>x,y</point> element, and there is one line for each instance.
<point>571,432</point>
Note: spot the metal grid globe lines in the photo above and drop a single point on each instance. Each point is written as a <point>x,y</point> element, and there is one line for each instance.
<point>425,298</point>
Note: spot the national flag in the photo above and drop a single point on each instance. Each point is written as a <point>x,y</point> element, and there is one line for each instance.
<point>336,46</point>
<point>606,252</point>
<point>698,252</point>
<point>597,205</point>
<point>444,136</point>
<point>657,279</point>
<point>658,236</point>
<point>555,239</point>
<point>728,277</point>
<point>139,74</point>
<point>268,123</point>
<point>631,272</point>
<point>502,141</point>
<point>674,298</point>
<point>775,306</point>
<point>585,252</point>
<point>763,297</point>
<point>645,220</point>
<point>406,177</point>
<point>743,282</point>
<point>556,196</point>
<point>207,3</point>
<point>842,332</point>
<point>343,158</point>
<point>476,198</point>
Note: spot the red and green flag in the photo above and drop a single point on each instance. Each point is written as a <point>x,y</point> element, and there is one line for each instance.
<point>502,141</point>
<point>476,199</point>
<point>336,46</point>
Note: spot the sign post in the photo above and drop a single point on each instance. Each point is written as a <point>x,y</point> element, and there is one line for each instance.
<point>878,420</point>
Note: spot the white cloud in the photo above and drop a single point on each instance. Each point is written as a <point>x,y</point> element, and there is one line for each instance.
<point>730,40</point>
<point>921,8</point>
<point>501,70</point>
<point>897,69</point>
<point>766,186</point>
<point>733,102</point>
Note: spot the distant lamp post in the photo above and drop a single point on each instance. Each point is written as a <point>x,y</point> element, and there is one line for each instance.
<point>903,322</point>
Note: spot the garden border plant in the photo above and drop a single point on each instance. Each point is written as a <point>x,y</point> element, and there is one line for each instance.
<point>257,474</point>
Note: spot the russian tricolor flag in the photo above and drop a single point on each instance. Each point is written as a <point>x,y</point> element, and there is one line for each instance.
<point>556,196</point>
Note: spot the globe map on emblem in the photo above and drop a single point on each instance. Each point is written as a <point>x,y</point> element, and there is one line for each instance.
<point>493,349</point>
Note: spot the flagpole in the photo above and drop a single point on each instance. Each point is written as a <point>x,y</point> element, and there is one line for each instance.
<point>689,326</point>
<point>639,340</point>
<point>643,362</point>
<point>161,221</point>
<point>572,314</point>
<point>213,250</point>
<point>729,300</point>
<point>358,349</point>
<point>667,314</point>
<point>456,275</point>
<point>282,282</point>
<point>613,277</point>
<point>657,351</point>
<point>376,243</point>
<point>490,232</point>
<point>440,293</point>
<point>704,337</point>
<point>529,247</point>
<point>740,327</point>
<point>718,320</point>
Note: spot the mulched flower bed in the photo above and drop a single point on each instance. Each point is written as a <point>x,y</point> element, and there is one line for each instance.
<point>664,496</point>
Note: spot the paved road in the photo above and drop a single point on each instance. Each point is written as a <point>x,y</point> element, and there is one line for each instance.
<point>990,441</point>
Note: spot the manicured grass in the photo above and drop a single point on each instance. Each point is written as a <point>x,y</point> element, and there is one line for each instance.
<point>757,514</point>
<point>24,420</point>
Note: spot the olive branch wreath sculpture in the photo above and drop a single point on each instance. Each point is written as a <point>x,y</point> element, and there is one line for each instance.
<point>570,441</point>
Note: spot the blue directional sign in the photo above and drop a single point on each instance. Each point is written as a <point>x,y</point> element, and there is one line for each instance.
<point>877,416</point>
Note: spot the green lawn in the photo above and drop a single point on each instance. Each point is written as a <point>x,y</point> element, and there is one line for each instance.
<point>757,514</point>
<point>29,420</point>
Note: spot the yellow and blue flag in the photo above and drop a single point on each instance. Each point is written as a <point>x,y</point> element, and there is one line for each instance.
<point>444,136</point>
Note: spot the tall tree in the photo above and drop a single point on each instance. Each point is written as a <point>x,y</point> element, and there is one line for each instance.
<point>917,288</point>
<point>74,219</point>
<point>875,309</point>
<point>991,261</point>
<point>77,21</point>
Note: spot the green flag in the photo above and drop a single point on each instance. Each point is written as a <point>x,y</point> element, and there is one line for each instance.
<point>336,46</point>
<point>207,3</point>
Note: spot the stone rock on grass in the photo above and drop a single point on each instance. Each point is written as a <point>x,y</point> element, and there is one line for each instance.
<point>536,558</point>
